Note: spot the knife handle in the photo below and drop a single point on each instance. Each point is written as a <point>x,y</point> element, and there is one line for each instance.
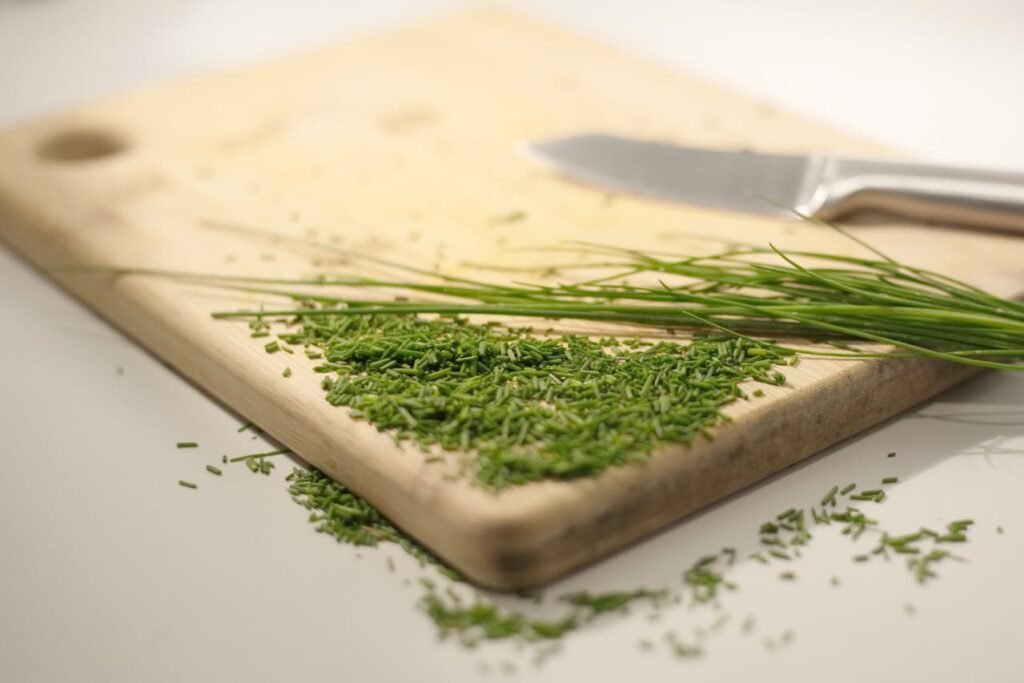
<point>983,198</point>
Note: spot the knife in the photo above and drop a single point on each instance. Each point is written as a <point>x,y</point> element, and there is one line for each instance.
<point>821,186</point>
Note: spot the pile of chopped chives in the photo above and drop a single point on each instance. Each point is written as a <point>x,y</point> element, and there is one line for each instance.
<point>528,408</point>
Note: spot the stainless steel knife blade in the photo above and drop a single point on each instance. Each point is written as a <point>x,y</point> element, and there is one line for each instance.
<point>816,185</point>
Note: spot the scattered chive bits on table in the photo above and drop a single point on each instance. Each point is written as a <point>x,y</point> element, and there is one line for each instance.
<point>473,618</point>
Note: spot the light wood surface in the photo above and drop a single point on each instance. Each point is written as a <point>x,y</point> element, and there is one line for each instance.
<point>408,144</point>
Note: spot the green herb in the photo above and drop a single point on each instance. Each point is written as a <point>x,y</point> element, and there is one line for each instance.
<point>613,601</point>
<point>187,484</point>
<point>848,488</point>
<point>890,480</point>
<point>891,455</point>
<point>259,465</point>
<point>922,566</point>
<point>272,347</point>
<point>287,372</point>
<point>529,408</point>
<point>874,495</point>
<point>855,520</point>
<point>704,580</point>
<point>830,497</point>
<point>339,512</point>
<point>214,470</point>
<point>255,456</point>
<point>802,294</point>
<point>187,444</point>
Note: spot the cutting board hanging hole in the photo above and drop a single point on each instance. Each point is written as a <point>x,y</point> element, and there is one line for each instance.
<point>84,144</point>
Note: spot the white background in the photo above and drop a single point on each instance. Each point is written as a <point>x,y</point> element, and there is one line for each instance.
<point>111,572</point>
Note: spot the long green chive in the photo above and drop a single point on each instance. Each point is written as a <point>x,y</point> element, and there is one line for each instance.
<point>254,456</point>
<point>187,444</point>
<point>874,300</point>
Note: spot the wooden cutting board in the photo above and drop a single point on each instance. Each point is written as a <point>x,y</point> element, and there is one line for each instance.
<point>407,144</point>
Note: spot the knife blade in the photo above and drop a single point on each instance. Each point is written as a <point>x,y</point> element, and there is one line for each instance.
<point>819,185</point>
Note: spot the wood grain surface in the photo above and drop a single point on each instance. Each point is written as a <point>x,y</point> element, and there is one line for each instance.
<point>407,144</point>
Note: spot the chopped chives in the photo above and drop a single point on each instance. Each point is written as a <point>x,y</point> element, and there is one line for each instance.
<point>187,484</point>
<point>287,372</point>
<point>214,470</point>
<point>529,408</point>
<point>830,497</point>
<point>253,456</point>
<point>890,480</point>
<point>187,444</point>
<point>846,489</point>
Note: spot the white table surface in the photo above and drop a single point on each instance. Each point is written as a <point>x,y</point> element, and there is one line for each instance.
<point>111,572</point>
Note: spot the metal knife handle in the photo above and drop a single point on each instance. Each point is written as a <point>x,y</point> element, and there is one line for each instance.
<point>990,199</point>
